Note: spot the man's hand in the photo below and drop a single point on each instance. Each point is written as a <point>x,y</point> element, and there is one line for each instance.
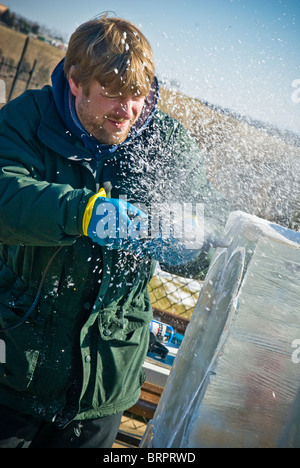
<point>114,223</point>
<point>117,224</point>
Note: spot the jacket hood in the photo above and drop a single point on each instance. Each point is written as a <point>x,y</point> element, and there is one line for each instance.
<point>65,103</point>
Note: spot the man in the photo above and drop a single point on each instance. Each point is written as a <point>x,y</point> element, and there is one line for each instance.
<point>83,163</point>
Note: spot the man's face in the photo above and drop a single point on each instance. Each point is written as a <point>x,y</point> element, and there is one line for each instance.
<point>107,117</point>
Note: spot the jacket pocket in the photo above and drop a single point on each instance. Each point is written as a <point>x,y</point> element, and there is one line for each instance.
<point>120,359</point>
<point>123,323</point>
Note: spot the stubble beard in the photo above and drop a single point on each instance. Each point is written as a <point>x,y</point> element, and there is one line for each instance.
<point>96,129</point>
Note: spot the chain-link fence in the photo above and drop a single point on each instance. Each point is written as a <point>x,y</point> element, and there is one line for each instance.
<point>174,294</point>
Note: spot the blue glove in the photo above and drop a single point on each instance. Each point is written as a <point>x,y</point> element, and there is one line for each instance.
<point>114,223</point>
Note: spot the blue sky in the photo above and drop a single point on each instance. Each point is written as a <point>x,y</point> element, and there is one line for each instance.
<point>240,54</point>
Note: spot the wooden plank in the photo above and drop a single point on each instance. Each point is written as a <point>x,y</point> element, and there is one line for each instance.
<point>149,399</point>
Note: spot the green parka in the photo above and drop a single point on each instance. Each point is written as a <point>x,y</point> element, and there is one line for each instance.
<point>80,353</point>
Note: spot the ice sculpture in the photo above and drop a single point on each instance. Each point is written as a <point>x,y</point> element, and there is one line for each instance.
<point>236,379</point>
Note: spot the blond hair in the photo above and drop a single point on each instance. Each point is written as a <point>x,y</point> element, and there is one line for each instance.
<point>112,51</point>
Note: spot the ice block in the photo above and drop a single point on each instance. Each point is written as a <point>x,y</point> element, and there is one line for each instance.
<point>235,382</point>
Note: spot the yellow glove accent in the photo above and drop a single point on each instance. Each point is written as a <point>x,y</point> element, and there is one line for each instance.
<point>89,210</point>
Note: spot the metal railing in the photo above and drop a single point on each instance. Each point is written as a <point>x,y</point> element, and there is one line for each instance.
<point>174,294</point>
